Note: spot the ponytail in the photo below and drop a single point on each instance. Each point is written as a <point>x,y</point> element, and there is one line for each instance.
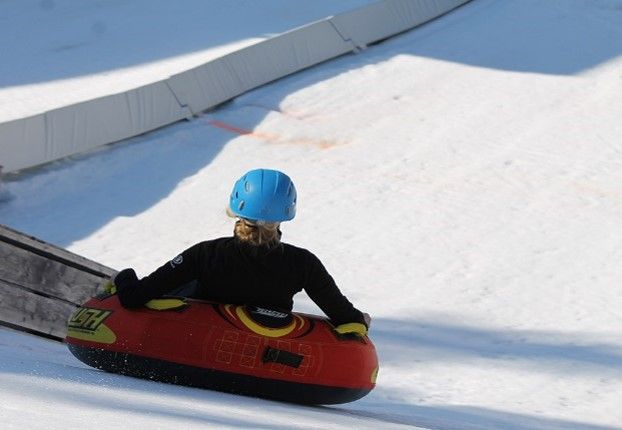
<point>258,234</point>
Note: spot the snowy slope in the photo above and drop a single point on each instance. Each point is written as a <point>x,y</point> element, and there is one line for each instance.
<point>461,182</point>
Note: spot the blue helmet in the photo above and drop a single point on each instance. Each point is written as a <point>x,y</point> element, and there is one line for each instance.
<point>264,195</point>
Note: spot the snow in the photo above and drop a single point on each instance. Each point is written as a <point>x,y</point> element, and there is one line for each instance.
<point>60,52</point>
<point>462,183</point>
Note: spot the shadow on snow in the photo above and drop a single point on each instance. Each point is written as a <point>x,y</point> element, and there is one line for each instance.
<point>407,342</point>
<point>71,382</point>
<point>465,418</point>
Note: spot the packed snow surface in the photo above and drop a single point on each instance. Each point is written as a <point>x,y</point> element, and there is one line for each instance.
<point>462,182</point>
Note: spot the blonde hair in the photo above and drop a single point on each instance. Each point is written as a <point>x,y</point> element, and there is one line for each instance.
<point>257,233</point>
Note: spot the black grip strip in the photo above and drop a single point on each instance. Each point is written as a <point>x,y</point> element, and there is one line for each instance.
<point>273,355</point>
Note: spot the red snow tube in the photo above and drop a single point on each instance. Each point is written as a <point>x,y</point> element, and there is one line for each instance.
<point>246,350</point>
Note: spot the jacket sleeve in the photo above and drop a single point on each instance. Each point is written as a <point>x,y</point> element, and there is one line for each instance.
<point>182,269</point>
<point>322,289</point>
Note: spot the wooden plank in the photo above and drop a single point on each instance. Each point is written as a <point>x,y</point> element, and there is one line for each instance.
<point>51,252</point>
<point>50,278</point>
<point>23,309</point>
<point>42,284</point>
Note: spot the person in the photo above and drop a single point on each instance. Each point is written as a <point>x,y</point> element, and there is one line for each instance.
<point>253,267</point>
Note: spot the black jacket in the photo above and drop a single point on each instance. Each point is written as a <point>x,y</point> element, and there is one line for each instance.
<point>230,271</point>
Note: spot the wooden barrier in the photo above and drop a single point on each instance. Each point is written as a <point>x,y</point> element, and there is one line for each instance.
<point>41,284</point>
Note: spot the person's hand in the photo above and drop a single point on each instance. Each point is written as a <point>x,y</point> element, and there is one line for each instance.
<point>125,278</point>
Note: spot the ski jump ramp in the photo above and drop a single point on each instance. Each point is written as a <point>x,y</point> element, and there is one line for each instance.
<point>68,130</point>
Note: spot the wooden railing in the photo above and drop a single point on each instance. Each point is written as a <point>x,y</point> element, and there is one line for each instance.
<point>41,284</point>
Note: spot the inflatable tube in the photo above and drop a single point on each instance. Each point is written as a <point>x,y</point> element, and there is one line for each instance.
<point>246,350</point>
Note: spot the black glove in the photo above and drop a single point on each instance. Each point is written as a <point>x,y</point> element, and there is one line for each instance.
<point>125,279</point>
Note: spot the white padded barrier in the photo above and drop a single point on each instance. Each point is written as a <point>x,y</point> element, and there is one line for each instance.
<point>378,21</point>
<point>110,119</point>
<point>233,74</point>
<point>72,129</point>
<point>75,128</point>
<point>22,143</point>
